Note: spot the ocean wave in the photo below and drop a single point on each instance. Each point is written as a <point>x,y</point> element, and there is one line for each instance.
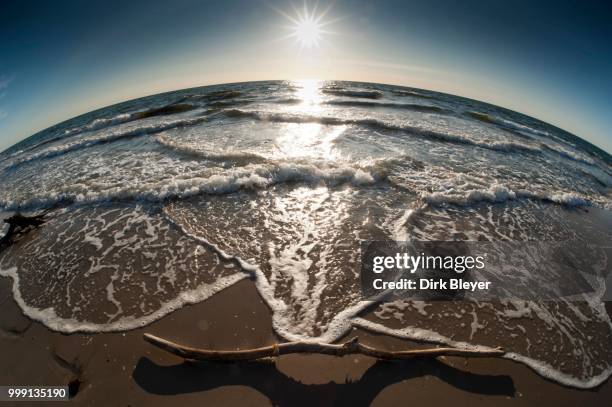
<point>569,199</point>
<point>498,193</point>
<point>366,94</point>
<point>33,147</point>
<point>516,129</point>
<point>99,123</point>
<point>501,146</point>
<point>191,150</point>
<point>106,138</point>
<point>411,93</point>
<point>261,174</point>
<point>222,96</point>
<point>404,106</point>
<point>502,124</point>
<point>250,177</point>
<point>483,117</point>
<point>164,110</point>
<point>505,146</point>
<point>530,132</point>
<point>288,101</point>
<point>91,126</point>
<point>523,127</point>
<point>569,154</point>
<point>228,104</point>
<point>495,194</point>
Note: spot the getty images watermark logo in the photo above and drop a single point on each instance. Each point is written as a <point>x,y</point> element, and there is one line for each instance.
<point>412,263</point>
<point>485,270</point>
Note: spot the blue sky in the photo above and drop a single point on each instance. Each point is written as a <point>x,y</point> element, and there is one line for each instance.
<point>551,60</point>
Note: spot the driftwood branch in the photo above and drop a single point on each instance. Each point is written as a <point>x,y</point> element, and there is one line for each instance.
<point>348,348</point>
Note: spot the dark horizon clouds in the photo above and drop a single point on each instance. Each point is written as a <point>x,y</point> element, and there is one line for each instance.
<point>550,60</point>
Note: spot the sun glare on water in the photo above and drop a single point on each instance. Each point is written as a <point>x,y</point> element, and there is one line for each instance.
<point>314,141</point>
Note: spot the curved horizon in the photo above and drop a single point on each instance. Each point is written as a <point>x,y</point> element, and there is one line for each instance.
<point>548,60</point>
<point>608,155</point>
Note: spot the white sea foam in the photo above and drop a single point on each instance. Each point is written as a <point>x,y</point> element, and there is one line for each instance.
<point>252,177</point>
<point>261,176</point>
<point>564,152</point>
<point>539,366</point>
<point>50,319</point>
<point>282,321</point>
<point>397,226</point>
<point>283,325</point>
<point>169,269</point>
<point>99,123</point>
<point>499,193</point>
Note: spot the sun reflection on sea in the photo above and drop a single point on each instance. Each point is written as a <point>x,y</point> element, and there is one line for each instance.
<point>309,92</point>
<point>309,139</point>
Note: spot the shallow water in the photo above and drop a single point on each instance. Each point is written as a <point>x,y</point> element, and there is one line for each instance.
<point>163,201</point>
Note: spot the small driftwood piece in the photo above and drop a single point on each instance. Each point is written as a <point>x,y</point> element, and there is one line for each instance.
<point>348,348</point>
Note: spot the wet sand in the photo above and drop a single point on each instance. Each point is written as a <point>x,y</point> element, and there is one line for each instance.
<point>121,369</point>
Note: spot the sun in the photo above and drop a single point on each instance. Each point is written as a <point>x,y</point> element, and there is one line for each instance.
<point>307,25</point>
<point>307,31</point>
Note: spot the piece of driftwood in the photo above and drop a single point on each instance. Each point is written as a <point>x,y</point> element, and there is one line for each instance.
<point>348,348</point>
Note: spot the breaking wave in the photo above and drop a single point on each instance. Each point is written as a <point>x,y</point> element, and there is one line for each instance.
<point>147,129</point>
<point>530,132</point>
<point>499,193</point>
<point>191,150</point>
<point>251,177</point>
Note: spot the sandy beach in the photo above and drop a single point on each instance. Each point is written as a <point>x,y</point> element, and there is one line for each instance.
<point>122,369</point>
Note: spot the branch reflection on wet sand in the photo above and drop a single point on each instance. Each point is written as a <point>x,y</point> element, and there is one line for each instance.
<point>266,378</point>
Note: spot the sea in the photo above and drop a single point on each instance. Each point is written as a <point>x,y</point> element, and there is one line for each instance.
<point>161,202</point>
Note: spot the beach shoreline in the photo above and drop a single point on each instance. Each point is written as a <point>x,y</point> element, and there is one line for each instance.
<point>122,369</point>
